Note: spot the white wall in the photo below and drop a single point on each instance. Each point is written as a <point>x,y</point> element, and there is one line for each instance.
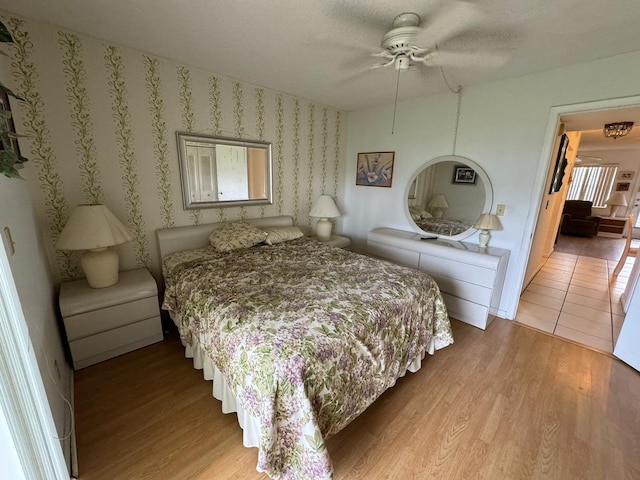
<point>503,127</point>
<point>35,288</point>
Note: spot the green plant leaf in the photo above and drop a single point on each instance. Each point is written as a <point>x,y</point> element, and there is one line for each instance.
<point>8,91</point>
<point>5,36</point>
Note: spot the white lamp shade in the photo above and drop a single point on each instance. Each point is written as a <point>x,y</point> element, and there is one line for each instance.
<point>439,201</point>
<point>91,227</point>
<point>487,221</point>
<point>94,228</point>
<point>324,207</point>
<point>617,199</point>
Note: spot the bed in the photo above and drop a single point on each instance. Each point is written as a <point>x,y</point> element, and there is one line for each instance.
<point>440,226</point>
<point>298,337</point>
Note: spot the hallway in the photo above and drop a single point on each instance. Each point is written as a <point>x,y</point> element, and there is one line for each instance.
<point>572,297</point>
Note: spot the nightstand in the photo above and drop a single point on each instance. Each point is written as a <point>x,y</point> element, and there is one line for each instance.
<point>337,241</point>
<point>612,227</point>
<point>102,323</point>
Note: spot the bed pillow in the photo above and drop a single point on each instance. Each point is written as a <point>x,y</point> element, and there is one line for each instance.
<point>281,234</point>
<point>233,236</point>
<point>419,214</point>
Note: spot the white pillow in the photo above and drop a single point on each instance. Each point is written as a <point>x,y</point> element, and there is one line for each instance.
<point>233,236</point>
<point>281,234</point>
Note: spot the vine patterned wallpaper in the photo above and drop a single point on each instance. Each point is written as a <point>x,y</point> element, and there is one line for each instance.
<point>101,120</point>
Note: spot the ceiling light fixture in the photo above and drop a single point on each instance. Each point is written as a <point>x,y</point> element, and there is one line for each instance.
<point>617,130</point>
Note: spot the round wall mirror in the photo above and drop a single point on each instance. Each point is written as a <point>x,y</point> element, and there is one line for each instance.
<point>446,195</point>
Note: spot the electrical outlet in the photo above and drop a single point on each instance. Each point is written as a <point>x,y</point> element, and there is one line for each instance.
<point>500,210</point>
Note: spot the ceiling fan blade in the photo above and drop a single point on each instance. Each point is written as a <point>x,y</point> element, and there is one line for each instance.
<point>467,59</point>
<point>448,22</point>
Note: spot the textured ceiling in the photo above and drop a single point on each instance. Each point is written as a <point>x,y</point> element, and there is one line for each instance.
<point>320,49</point>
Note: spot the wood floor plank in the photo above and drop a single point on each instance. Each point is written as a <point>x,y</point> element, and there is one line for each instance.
<point>508,402</point>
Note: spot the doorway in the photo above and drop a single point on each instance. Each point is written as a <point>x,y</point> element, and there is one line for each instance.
<point>572,294</point>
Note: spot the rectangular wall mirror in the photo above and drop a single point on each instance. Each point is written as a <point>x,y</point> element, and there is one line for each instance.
<point>223,172</point>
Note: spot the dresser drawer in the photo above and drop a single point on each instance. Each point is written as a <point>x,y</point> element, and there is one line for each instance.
<point>466,311</point>
<point>473,293</point>
<point>89,350</point>
<point>398,255</point>
<point>90,323</point>
<point>461,271</point>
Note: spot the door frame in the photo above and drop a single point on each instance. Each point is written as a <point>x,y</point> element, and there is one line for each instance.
<point>22,394</point>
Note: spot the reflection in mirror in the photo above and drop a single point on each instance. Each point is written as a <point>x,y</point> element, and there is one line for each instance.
<point>447,195</point>
<point>221,172</point>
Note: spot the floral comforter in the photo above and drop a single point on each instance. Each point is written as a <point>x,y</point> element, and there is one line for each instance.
<point>307,336</point>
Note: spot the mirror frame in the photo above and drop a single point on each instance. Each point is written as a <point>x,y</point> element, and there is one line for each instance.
<point>488,202</point>
<point>183,137</point>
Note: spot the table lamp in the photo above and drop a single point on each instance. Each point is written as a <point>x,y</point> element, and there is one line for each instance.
<point>487,222</point>
<point>325,208</point>
<point>615,201</point>
<point>438,203</point>
<point>94,228</point>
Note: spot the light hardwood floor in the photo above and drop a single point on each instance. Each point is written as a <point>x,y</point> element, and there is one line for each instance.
<point>508,403</point>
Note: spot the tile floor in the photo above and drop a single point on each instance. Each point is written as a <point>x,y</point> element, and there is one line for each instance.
<point>576,298</point>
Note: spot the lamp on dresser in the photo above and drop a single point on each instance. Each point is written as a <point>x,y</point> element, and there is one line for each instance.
<point>94,228</point>
<point>487,222</point>
<point>325,208</point>
<point>615,201</point>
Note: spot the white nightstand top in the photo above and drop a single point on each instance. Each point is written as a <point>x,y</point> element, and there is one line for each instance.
<point>337,241</point>
<point>78,297</point>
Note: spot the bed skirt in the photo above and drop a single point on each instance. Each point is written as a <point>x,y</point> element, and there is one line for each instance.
<point>250,424</point>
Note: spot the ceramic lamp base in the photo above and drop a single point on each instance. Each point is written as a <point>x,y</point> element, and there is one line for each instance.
<point>323,229</point>
<point>100,267</point>
<point>484,238</point>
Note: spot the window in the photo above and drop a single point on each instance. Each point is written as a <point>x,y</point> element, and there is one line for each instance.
<point>593,183</point>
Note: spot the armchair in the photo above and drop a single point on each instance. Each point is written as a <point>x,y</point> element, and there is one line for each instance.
<point>577,219</point>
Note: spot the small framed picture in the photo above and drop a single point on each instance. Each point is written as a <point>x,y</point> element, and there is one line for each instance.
<point>375,169</point>
<point>626,175</point>
<point>464,174</point>
<point>622,186</point>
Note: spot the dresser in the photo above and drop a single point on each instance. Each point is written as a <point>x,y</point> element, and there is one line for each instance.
<point>102,323</point>
<point>470,278</point>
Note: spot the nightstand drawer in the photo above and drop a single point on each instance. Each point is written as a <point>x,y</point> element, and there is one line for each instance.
<point>90,323</point>
<point>89,350</point>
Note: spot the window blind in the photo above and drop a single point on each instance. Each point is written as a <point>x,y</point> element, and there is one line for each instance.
<point>593,183</point>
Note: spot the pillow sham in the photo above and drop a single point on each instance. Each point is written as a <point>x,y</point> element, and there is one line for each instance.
<point>418,213</point>
<point>281,234</point>
<point>236,235</point>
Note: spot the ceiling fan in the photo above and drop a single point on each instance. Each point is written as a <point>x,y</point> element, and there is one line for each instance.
<point>409,43</point>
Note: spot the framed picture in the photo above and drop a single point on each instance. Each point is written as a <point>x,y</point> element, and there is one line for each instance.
<point>560,165</point>
<point>375,169</point>
<point>623,186</point>
<point>464,174</point>
<point>626,175</point>
<point>413,189</point>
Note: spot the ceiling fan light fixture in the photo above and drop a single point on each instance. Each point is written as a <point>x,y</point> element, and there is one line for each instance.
<point>402,62</point>
<point>617,130</point>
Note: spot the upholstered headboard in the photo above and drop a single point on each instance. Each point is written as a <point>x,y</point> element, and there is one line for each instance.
<point>196,236</point>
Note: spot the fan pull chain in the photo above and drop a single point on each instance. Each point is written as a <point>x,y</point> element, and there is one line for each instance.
<point>395,104</point>
<point>455,132</point>
<point>457,91</point>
